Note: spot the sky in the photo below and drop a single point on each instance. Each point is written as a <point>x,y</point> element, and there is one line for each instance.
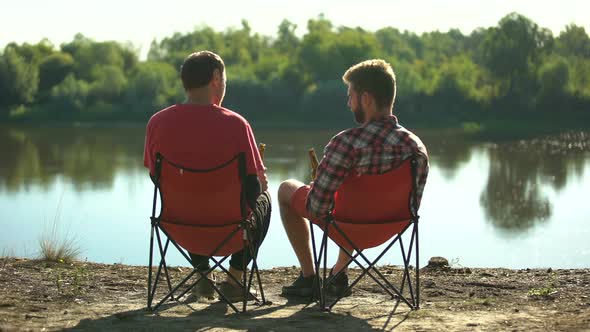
<point>141,21</point>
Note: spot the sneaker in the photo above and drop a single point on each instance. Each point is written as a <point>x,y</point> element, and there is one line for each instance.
<point>233,293</point>
<point>302,287</point>
<point>202,290</point>
<point>338,285</point>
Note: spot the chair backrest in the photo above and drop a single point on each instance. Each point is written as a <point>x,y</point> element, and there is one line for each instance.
<point>371,209</point>
<point>201,207</point>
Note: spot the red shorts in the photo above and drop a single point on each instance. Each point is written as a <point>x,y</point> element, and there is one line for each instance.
<point>298,201</point>
<point>298,205</point>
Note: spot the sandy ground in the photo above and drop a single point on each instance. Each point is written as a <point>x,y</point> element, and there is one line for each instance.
<point>36,295</point>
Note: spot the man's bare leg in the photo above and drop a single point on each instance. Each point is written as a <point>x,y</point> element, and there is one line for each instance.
<point>296,227</point>
<point>236,274</point>
<point>342,262</point>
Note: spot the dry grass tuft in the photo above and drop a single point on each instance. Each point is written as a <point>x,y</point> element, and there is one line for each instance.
<point>57,247</point>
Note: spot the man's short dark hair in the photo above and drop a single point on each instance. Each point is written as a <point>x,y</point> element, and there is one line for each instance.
<point>197,69</point>
<point>375,77</point>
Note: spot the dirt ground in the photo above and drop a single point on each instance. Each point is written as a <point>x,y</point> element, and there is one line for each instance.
<point>36,295</point>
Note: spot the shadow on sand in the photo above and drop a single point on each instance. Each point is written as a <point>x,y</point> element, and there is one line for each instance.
<point>292,315</point>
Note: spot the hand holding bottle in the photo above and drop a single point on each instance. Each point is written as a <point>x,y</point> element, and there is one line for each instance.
<point>313,159</point>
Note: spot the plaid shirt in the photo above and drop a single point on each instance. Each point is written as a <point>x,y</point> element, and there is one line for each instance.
<point>374,148</point>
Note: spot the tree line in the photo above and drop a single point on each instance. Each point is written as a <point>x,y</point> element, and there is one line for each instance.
<point>514,68</point>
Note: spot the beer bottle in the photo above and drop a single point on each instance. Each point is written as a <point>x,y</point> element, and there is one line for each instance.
<point>313,159</point>
<point>261,148</point>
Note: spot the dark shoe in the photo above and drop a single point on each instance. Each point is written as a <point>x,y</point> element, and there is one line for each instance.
<point>337,285</point>
<point>302,287</point>
<point>233,293</point>
<point>202,290</point>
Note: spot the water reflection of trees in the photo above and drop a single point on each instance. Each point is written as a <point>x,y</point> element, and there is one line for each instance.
<point>84,156</point>
<point>513,198</point>
<point>447,151</point>
<point>90,157</point>
<point>287,151</point>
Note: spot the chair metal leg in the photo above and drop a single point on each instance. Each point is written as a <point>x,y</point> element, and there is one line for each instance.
<point>324,279</point>
<point>406,260</point>
<point>316,264</point>
<point>414,291</point>
<point>244,266</point>
<point>367,270</point>
<point>161,265</point>
<point>169,295</point>
<point>163,260</point>
<point>417,268</point>
<point>157,278</point>
<point>150,297</point>
<point>257,271</point>
<point>153,222</point>
<point>260,285</point>
<point>253,248</point>
<point>245,282</point>
<point>388,287</point>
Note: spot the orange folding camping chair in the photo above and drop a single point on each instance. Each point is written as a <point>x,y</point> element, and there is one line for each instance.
<point>368,211</point>
<point>202,211</point>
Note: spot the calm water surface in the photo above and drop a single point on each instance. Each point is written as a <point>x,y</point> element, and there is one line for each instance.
<point>509,203</point>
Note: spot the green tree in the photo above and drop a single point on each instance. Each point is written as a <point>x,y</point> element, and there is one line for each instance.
<point>53,69</point>
<point>579,80</point>
<point>313,54</point>
<point>573,41</point>
<point>108,83</point>
<point>325,54</point>
<point>410,86</point>
<point>474,45</point>
<point>286,40</point>
<point>153,86</point>
<point>19,80</point>
<point>69,96</point>
<point>32,53</point>
<point>439,46</point>
<point>553,80</point>
<point>395,44</point>
<point>459,85</point>
<point>325,100</point>
<point>89,55</point>
<point>511,53</point>
<point>174,49</point>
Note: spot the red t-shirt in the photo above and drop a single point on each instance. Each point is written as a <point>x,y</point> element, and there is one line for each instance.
<point>200,136</point>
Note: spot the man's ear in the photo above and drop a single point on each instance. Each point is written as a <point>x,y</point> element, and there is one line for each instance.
<point>366,99</point>
<point>217,77</point>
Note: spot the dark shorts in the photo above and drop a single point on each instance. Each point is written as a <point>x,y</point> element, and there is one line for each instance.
<point>261,214</point>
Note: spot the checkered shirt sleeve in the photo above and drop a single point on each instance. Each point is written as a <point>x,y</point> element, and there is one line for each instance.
<point>332,170</point>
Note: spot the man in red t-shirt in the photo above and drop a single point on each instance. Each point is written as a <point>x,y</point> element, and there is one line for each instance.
<point>200,133</point>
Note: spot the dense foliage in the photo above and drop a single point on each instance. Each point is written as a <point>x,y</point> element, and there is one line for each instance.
<point>514,68</point>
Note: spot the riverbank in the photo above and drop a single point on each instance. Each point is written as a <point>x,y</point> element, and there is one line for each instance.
<point>478,125</point>
<point>39,295</point>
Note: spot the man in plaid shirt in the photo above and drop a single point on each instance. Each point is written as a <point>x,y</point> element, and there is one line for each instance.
<point>378,145</point>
